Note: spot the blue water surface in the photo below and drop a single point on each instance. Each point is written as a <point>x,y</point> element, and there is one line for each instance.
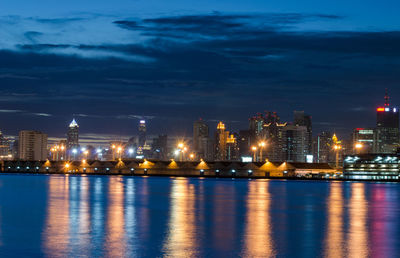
<point>115,216</point>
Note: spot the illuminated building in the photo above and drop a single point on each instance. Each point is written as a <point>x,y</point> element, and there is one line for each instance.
<point>142,133</point>
<point>296,146</point>
<point>256,124</point>
<point>371,167</point>
<point>323,145</point>
<point>232,151</point>
<point>201,139</point>
<point>32,145</point>
<point>225,144</point>
<point>387,128</point>
<point>73,135</point>
<point>5,147</point>
<point>220,142</point>
<point>363,140</point>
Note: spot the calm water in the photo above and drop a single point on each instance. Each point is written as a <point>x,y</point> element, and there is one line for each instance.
<point>58,216</point>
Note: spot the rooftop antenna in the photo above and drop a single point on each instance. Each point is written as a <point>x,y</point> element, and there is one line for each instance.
<point>386,98</point>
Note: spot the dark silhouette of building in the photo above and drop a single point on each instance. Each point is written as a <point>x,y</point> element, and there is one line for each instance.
<point>160,147</point>
<point>201,139</point>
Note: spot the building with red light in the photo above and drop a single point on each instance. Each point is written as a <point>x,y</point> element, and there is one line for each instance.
<point>387,128</point>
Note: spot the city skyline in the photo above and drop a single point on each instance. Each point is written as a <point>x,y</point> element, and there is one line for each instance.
<point>90,137</point>
<point>172,66</point>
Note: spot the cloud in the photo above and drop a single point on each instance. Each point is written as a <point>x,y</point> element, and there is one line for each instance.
<point>178,68</point>
<point>10,111</point>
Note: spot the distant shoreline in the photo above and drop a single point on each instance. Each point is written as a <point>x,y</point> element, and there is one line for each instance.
<point>198,176</point>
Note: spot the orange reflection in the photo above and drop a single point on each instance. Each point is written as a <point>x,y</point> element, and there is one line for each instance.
<point>334,234</point>
<point>57,218</point>
<point>258,240</point>
<point>181,239</point>
<point>115,237</point>
<point>224,229</point>
<point>358,239</point>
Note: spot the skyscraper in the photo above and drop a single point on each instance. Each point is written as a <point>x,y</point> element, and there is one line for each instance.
<point>302,119</point>
<point>32,145</point>
<point>200,139</point>
<point>73,135</point>
<point>4,147</point>
<point>220,142</point>
<point>274,136</point>
<point>387,128</point>
<point>323,150</point>
<point>296,143</point>
<point>363,140</point>
<point>142,133</point>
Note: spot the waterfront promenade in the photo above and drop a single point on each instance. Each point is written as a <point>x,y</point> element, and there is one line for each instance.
<point>265,169</point>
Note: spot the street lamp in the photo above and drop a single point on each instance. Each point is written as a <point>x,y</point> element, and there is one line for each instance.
<point>254,149</point>
<point>358,147</point>
<point>261,145</point>
<point>74,151</point>
<point>182,148</point>
<point>337,148</point>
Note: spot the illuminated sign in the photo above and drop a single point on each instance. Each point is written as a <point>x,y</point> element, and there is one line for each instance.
<point>247,159</point>
<point>380,109</point>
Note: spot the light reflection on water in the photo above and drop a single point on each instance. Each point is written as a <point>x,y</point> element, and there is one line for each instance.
<point>183,217</point>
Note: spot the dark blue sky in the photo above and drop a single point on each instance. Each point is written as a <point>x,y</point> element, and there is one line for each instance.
<point>113,62</point>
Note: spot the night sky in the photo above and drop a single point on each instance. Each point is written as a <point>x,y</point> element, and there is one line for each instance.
<point>110,63</point>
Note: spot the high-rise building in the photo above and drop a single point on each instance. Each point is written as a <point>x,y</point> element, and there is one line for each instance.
<point>296,143</point>
<point>160,147</point>
<point>220,142</point>
<point>387,128</point>
<point>302,119</point>
<point>244,143</point>
<point>232,150</point>
<point>73,135</point>
<point>323,148</point>
<point>363,140</point>
<point>201,139</point>
<point>32,145</point>
<point>225,146</point>
<point>5,148</point>
<point>142,133</point>
<point>273,134</point>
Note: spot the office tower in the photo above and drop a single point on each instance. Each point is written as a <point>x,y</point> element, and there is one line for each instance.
<point>387,128</point>
<point>274,137</point>
<point>256,124</point>
<point>4,147</point>
<point>296,143</point>
<point>220,142</point>
<point>73,136</point>
<point>363,140</point>
<point>200,139</point>
<point>142,133</point>
<point>225,145</point>
<point>324,148</point>
<point>302,119</point>
<point>244,143</point>
<point>232,150</point>
<point>160,147</point>
<point>32,145</point>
